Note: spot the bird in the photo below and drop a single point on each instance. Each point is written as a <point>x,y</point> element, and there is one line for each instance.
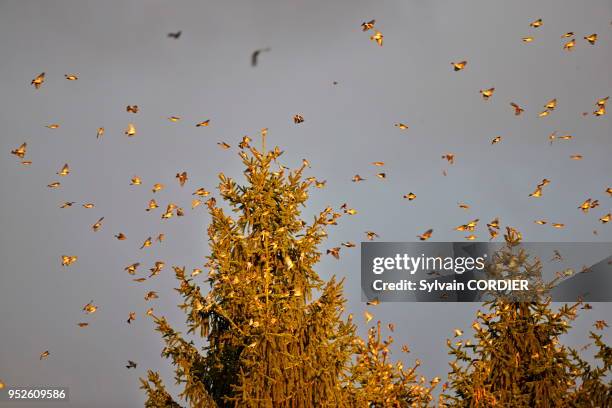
<point>131,364</point>
<point>176,35</point>
<point>255,55</point>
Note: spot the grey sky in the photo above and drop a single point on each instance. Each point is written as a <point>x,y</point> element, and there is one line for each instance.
<point>120,51</point>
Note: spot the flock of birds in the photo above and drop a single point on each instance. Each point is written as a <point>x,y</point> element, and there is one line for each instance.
<point>172,209</point>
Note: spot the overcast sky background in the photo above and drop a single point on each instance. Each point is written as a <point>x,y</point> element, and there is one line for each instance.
<point>121,53</point>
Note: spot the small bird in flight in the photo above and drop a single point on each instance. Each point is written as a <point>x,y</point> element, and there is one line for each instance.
<point>255,55</point>
<point>176,35</point>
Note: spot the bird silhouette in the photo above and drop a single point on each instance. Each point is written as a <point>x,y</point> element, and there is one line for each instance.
<point>255,55</point>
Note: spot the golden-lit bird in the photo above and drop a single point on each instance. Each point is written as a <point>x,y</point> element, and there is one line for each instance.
<point>71,77</point>
<point>470,226</point>
<point>568,34</point>
<point>426,235</point>
<point>606,218</point>
<point>39,80</point>
<point>458,66</point>
<point>44,354</point>
<point>537,23</point>
<point>20,151</point>
<point>244,144</point>
<point>527,39</point>
<point>151,295</point>
<point>174,118</point>
<point>89,205</point>
<point>368,25</point>
<point>131,269</point>
<point>147,243</point>
<point>121,236</point>
<point>169,211</point>
<point>367,316</point>
<point>541,222</point>
<point>551,105</point>
<point>335,252</point>
<point>55,184</point>
<point>517,109</point>
<point>201,192</point>
<point>131,317</point>
<point>449,157</point>
<point>68,260</point>
<point>67,204</point>
<point>600,111</point>
<point>537,192</point>
<point>377,37</point>
<point>373,302</point>
<point>90,308</point>
<point>135,181</point>
<point>130,130</point>
<point>348,244</point>
<point>152,205</point>
<point>223,145</point>
<point>487,93</point>
<point>204,123</point>
<point>97,225</point>
<point>591,38</point>
<point>357,178</point>
<point>157,268</point>
<point>132,108</point>
<point>588,204</point>
<point>496,140</point>
<point>65,170</point>
<point>381,175</point>
<point>401,126</point>
<point>410,196</point>
<point>52,126</point>
<point>558,225</point>
<point>371,235</point>
<point>570,45</point>
<point>463,206</point>
<point>492,233</point>
<point>320,183</point>
<point>157,187</point>
<point>297,118</point>
<point>182,178</point>
<point>100,133</point>
<point>82,324</point>
<point>576,157</point>
<point>494,223</point>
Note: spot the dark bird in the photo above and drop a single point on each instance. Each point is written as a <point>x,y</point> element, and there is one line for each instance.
<point>131,364</point>
<point>255,55</point>
<point>176,35</point>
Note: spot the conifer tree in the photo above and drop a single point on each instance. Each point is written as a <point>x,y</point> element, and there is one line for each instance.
<point>517,359</point>
<point>274,331</point>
